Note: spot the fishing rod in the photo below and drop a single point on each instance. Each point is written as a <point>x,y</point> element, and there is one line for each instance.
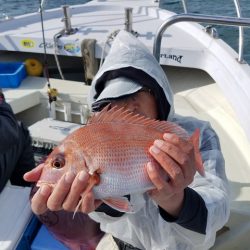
<point>52,92</point>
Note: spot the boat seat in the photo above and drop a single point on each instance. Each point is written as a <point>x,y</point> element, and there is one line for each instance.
<point>15,214</point>
<point>22,99</point>
<point>208,103</point>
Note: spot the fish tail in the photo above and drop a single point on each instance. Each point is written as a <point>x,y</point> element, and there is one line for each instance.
<point>195,139</point>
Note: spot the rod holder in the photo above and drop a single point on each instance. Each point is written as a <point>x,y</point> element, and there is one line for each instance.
<point>68,30</point>
<point>128,19</point>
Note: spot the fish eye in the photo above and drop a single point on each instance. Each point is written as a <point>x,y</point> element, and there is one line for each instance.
<point>58,163</point>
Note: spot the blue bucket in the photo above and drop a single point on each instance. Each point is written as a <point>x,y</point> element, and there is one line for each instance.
<point>12,74</point>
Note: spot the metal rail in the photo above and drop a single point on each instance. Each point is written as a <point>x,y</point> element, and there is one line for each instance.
<point>241,30</point>
<point>42,5</point>
<point>184,6</point>
<point>222,20</point>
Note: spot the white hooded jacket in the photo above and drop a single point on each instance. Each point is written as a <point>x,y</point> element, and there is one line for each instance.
<point>146,229</point>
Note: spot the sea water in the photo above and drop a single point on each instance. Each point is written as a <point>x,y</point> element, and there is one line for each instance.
<point>219,8</point>
<point>208,7</point>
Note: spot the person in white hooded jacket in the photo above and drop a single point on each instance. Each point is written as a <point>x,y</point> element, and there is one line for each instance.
<point>183,212</point>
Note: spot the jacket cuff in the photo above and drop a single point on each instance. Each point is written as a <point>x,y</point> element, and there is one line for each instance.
<point>193,215</point>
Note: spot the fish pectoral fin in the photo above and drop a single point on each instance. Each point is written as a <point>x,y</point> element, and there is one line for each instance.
<point>93,180</point>
<point>121,204</point>
<point>77,207</point>
<point>198,159</point>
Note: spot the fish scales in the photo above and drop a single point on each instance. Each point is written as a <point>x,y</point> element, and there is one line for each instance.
<point>122,150</point>
<point>114,145</point>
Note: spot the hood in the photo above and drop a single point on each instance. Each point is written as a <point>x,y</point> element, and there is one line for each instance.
<point>129,57</point>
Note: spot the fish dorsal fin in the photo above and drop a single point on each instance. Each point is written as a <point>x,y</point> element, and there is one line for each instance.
<point>122,115</point>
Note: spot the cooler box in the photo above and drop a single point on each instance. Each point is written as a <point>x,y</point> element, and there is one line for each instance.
<point>12,74</point>
<point>48,133</point>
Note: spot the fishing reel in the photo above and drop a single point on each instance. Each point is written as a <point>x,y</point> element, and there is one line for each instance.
<point>52,94</point>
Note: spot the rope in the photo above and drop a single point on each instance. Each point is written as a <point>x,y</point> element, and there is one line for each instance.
<point>110,38</point>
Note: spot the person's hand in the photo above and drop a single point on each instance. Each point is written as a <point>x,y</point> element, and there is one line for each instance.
<point>176,158</point>
<point>65,195</point>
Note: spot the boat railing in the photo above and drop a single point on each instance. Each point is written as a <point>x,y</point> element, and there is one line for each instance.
<point>219,20</point>
<point>241,30</point>
<point>42,5</point>
<point>184,6</point>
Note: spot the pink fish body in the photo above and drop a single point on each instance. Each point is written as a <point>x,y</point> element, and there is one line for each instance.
<point>114,147</point>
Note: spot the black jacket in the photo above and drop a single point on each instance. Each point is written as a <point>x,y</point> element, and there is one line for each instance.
<point>16,155</point>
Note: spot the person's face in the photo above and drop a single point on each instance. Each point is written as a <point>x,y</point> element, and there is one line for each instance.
<point>142,102</point>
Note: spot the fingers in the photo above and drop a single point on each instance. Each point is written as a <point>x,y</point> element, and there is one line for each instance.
<point>155,176</point>
<point>176,156</point>
<point>185,145</point>
<point>60,192</point>
<point>88,204</point>
<point>78,186</point>
<point>183,154</point>
<point>65,195</point>
<point>34,174</point>
<point>173,151</point>
<point>39,200</point>
<point>164,189</point>
<point>167,163</point>
<point>78,199</point>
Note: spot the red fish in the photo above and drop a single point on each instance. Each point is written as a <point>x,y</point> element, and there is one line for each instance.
<point>113,148</point>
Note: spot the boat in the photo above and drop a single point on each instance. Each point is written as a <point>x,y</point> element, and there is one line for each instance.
<point>210,81</point>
